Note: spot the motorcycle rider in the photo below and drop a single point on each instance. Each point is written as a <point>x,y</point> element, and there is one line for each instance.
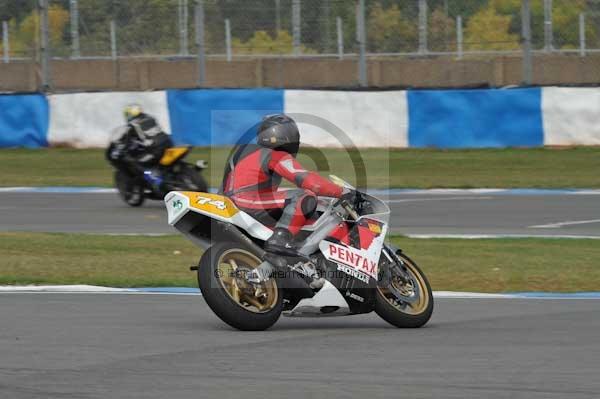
<point>142,145</point>
<point>253,175</point>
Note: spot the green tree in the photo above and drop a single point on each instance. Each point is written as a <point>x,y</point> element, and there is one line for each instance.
<point>15,10</point>
<point>464,8</point>
<point>24,35</point>
<point>442,31</point>
<point>565,20</point>
<point>388,31</point>
<point>263,43</point>
<point>144,27</point>
<point>488,30</point>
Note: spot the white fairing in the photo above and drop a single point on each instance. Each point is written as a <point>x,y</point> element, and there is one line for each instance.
<point>252,226</point>
<point>240,218</point>
<point>362,261</point>
<point>328,296</point>
<point>380,210</point>
<point>175,213</point>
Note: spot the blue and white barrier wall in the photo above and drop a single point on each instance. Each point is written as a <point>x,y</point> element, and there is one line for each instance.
<point>23,121</point>
<point>417,118</point>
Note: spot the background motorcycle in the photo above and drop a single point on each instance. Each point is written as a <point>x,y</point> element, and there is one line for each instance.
<point>136,183</point>
<point>344,268</point>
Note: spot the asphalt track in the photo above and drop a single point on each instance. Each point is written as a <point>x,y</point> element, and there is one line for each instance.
<point>418,213</point>
<point>172,346</point>
<point>165,346</point>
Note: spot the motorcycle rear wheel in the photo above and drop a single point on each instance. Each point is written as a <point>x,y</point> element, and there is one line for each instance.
<point>238,303</point>
<point>191,179</point>
<point>405,314</point>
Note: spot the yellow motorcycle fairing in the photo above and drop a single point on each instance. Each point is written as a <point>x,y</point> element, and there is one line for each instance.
<point>211,204</point>
<point>182,206</point>
<point>173,155</point>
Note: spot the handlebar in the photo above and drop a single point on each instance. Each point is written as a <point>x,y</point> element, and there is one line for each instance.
<point>348,208</point>
<point>351,212</point>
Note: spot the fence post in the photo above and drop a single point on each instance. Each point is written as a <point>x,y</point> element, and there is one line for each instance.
<point>526,30</point>
<point>44,45</point>
<point>422,26</point>
<point>74,11</point>
<point>113,39</point>
<point>200,42</point>
<point>180,24</point>
<point>340,38</point>
<point>5,42</point>
<point>361,34</point>
<point>277,17</point>
<point>459,36</point>
<point>228,38</point>
<point>327,18</point>
<point>582,35</point>
<point>182,19</point>
<point>548,34</point>
<point>296,21</point>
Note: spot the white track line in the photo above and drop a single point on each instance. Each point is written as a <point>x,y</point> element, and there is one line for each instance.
<point>437,199</point>
<point>486,236</point>
<point>58,190</point>
<point>98,290</point>
<point>561,224</point>
<point>60,288</point>
<point>95,290</point>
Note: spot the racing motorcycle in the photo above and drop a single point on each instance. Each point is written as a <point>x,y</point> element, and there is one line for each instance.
<point>135,184</point>
<point>343,267</point>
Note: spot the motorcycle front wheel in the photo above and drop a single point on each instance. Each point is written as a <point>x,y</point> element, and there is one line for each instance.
<point>242,305</point>
<point>130,191</point>
<point>405,304</point>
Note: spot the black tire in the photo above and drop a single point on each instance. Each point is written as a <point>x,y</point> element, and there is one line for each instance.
<point>394,314</point>
<point>220,301</point>
<point>190,179</point>
<point>131,192</point>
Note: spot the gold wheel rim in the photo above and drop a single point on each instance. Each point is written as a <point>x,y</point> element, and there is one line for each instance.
<point>413,308</point>
<point>232,266</point>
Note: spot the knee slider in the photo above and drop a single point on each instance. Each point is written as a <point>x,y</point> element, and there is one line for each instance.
<point>309,206</point>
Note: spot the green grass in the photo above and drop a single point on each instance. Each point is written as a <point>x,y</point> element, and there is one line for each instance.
<point>487,265</point>
<point>117,261</point>
<point>507,265</point>
<point>414,168</point>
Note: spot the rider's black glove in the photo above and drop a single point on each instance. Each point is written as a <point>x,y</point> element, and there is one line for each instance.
<point>116,151</point>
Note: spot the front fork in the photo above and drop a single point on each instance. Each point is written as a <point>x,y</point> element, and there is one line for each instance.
<point>394,262</point>
<point>396,268</point>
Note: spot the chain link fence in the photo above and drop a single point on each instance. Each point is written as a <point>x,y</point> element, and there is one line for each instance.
<point>237,29</point>
<point>20,30</point>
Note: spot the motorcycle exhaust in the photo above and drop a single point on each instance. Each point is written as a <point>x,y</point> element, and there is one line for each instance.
<point>234,232</point>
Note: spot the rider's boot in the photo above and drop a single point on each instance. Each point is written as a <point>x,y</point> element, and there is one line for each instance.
<point>281,243</point>
<point>277,247</point>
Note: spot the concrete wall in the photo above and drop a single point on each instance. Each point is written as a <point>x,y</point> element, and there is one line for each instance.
<point>18,76</point>
<point>148,74</point>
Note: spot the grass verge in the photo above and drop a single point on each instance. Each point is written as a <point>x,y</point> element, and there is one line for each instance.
<point>414,168</point>
<point>487,265</point>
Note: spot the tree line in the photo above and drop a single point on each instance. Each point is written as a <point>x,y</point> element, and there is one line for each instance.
<point>148,27</point>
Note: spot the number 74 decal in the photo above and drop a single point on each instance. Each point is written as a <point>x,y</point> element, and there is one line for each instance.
<point>209,201</point>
